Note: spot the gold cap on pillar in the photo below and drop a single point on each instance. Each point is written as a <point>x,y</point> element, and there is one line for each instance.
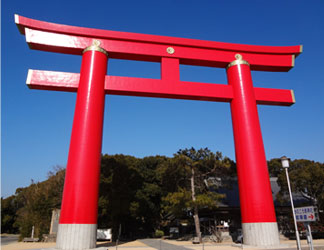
<point>95,46</point>
<point>239,60</point>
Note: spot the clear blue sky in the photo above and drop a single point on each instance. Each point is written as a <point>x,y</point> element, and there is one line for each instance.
<point>36,125</point>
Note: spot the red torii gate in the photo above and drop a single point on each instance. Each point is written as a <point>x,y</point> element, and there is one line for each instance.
<point>78,221</point>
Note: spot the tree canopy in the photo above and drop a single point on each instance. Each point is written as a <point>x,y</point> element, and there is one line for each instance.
<point>306,178</point>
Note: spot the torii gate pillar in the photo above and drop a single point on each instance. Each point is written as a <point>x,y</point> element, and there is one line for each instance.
<point>78,219</point>
<point>259,224</point>
<point>78,222</point>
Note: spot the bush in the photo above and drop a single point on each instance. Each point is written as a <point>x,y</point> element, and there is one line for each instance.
<point>158,233</point>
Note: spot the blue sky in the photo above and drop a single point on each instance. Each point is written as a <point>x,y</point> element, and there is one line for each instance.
<point>36,125</point>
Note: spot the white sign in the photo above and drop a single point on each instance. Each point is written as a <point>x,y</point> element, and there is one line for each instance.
<point>174,230</point>
<point>104,234</point>
<point>304,214</point>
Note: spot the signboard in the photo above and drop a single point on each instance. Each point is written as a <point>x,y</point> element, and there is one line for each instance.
<point>304,214</point>
<point>104,234</point>
<point>174,230</point>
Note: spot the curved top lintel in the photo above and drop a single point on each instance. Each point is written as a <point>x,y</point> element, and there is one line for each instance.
<point>24,22</point>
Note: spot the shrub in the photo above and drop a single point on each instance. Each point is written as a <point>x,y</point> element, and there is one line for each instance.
<point>158,233</point>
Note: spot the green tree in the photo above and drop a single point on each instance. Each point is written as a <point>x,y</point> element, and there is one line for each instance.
<point>146,207</point>
<point>36,203</point>
<point>9,208</point>
<point>119,182</point>
<point>130,195</point>
<point>275,167</point>
<point>306,178</point>
<point>189,190</point>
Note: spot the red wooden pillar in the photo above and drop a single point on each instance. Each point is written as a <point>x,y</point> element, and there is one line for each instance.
<point>78,219</point>
<point>257,209</point>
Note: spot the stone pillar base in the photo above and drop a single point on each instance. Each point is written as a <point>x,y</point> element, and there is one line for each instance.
<point>76,236</point>
<point>260,234</point>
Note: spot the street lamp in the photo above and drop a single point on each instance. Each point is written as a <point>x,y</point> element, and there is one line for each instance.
<point>285,165</point>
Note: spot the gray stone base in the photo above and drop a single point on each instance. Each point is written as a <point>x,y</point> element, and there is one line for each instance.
<point>76,236</point>
<point>261,234</point>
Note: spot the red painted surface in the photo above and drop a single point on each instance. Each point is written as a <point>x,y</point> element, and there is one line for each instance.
<point>72,40</point>
<point>80,196</point>
<point>254,183</point>
<point>170,69</point>
<point>166,88</point>
<point>24,22</point>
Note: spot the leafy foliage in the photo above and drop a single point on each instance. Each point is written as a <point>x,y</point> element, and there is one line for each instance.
<point>189,191</point>
<point>306,178</point>
<point>177,203</point>
<point>130,189</point>
<point>177,172</point>
<point>34,204</point>
<point>8,214</point>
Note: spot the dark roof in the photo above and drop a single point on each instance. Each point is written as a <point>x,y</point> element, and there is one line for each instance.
<point>229,187</point>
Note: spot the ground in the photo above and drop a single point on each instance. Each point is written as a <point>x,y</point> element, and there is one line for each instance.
<point>152,244</point>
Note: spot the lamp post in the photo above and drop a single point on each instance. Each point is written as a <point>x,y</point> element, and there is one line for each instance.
<point>285,165</point>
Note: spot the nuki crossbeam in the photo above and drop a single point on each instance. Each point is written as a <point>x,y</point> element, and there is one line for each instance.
<point>78,220</point>
<point>132,86</point>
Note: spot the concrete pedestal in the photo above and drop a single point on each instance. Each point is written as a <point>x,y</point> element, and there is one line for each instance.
<point>261,234</point>
<point>76,236</point>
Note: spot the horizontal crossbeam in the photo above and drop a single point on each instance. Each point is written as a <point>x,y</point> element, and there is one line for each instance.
<point>24,22</point>
<point>131,86</point>
<point>122,45</point>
